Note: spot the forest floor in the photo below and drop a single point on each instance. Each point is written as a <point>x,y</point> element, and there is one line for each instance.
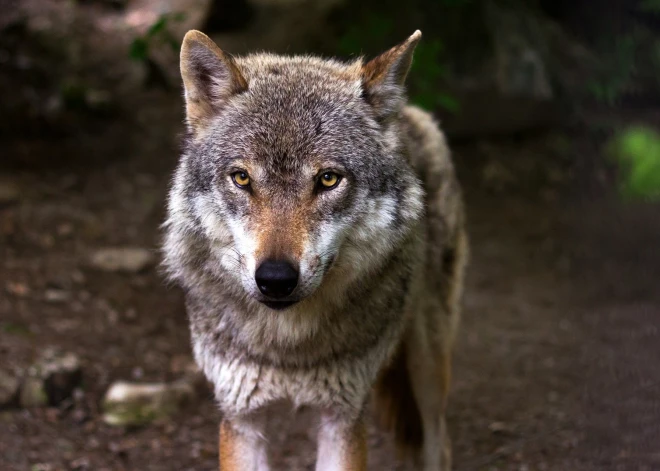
<point>557,365</point>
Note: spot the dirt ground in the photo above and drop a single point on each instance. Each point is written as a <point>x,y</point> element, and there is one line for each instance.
<point>556,367</point>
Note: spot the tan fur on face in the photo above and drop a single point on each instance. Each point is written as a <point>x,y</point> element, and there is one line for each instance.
<point>281,235</point>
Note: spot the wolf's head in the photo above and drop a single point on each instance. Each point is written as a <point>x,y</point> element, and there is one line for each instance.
<point>294,165</point>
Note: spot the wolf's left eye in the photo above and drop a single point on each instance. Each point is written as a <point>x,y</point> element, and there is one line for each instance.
<point>241,179</point>
<point>329,180</point>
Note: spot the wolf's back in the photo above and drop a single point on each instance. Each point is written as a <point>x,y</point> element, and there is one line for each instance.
<point>446,239</point>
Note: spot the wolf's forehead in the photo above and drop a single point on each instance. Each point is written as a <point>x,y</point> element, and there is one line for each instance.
<point>287,114</point>
<point>299,68</point>
<point>305,99</point>
<point>300,81</point>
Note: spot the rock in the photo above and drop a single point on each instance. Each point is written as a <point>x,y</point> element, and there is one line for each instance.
<point>499,428</point>
<point>131,404</point>
<point>51,380</point>
<point>80,464</point>
<point>9,388</point>
<point>122,259</point>
<point>33,393</point>
<point>56,296</point>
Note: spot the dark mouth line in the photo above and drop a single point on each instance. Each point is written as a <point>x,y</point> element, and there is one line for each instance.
<point>278,305</point>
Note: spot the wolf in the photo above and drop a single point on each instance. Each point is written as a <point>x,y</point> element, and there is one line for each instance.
<point>316,226</point>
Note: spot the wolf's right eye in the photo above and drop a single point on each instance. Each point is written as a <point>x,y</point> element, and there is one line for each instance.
<point>241,179</point>
<point>329,180</point>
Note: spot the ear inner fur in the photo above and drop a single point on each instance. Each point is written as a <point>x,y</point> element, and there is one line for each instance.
<point>210,77</point>
<point>392,65</point>
<point>383,77</point>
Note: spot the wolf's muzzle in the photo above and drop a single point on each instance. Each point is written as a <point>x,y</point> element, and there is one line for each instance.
<point>276,279</point>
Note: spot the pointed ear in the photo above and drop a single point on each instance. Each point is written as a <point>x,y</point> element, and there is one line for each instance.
<point>384,76</point>
<point>210,77</point>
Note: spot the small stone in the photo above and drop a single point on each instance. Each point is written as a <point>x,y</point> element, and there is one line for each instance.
<point>33,393</point>
<point>80,464</point>
<point>498,427</point>
<point>9,388</point>
<point>51,380</point>
<point>56,295</point>
<point>130,404</point>
<point>122,259</point>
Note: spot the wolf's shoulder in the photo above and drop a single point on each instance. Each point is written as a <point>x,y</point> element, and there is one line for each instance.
<point>426,146</point>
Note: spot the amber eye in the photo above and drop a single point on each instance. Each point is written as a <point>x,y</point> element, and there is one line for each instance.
<point>329,180</point>
<point>241,179</point>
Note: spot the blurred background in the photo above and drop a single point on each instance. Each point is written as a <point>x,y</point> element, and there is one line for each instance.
<point>552,111</point>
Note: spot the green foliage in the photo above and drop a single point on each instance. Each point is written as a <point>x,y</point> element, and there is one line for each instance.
<point>629,62</point>
<point>366,36</point>
<point>637,150</point>
<point>157,33</point>
<point>427,73</point>
<point>616,73</point>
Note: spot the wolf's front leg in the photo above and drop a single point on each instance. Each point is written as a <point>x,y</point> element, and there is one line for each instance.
<point>342,445</point>
<point>243,446</point>
<point>429,366</point>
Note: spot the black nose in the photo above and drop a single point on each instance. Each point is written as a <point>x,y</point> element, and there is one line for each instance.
<point>276,279</point>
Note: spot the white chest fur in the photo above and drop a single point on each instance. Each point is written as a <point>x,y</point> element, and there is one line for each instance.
<point>243,386</point>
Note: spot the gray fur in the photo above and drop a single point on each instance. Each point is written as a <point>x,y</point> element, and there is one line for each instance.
<point>373,249</point>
